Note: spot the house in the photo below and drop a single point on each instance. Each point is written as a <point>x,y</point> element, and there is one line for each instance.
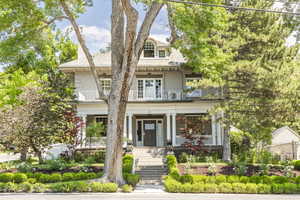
<point>285,143</point>
<point>161,104</point>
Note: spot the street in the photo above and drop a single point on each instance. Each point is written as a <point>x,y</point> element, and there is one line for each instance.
<point>146,196</point>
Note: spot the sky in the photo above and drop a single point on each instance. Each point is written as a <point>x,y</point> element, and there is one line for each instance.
<point>96,25</point>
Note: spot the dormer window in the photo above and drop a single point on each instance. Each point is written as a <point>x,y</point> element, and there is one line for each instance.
<point>149,50</point>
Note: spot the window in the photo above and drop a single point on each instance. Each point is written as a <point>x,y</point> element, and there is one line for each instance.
<point>149,50</point>
<point>104,121</point>
<point>199,124</point>
<point>192,87</point>
<point>149,89</point>
<point>106,85</point>
<point>162,53</point>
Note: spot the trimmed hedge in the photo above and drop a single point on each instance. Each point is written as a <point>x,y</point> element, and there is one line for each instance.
<point>171,185</point>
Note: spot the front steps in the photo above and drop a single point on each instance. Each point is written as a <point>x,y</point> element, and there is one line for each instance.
<point>149,164</point>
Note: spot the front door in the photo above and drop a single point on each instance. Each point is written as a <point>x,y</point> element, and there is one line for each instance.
<point>149,127</point>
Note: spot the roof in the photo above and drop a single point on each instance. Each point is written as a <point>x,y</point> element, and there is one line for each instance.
<point>104,59</point>
<point>284,129</point>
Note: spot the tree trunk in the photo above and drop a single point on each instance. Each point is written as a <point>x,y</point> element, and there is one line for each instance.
<point>226,145</point>
<point>23,156</point>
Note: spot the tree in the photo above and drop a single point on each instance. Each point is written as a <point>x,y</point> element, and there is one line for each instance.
<point>126,47</point>
<point>257,95</point>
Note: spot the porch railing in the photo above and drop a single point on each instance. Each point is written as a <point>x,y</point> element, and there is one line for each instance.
<point>169,95</point>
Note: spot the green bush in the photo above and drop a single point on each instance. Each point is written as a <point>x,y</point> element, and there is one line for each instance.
<point>186,179</point>
<point>132,179</point>
<point>211,188</point>
<point>55,165</point>
<point>81,186</point>
<point>25,187</point>
<point>280,179</point>
<point>127,163</point>
<point>199,179</point>
<point>297,165</point>
<point>104,187</point>
<point>174,172</point>
<point>56,177</point>
<point>24,167</point>
<point>197,188</point>
<point>171,162</point>
<point>186,188</point>
<point>266,180</point>
<point>6,177</point>
<point>39,188</point>
<point>277,188</point>
<point>183,157</point>
<point>255,179</point>
<point>8,187</point>
<point>44,178</point>
<point>251,188</point>
<point>297,180</point>
<point>238,188</point>
<point>263,188</point>
<point>19,178</point>
<point>211,179</point>
<point>68,186</point>
<point>90,160</point>
<point>171,185</point>
<point>244,179</point>
<point>225,188</point>
<point>127,188</point>
<point>68,176</point>
<point>290,188</point>
<point>32,180</point>
<point>221,179</point>
<point>233,179</point>
<point>100,156</point>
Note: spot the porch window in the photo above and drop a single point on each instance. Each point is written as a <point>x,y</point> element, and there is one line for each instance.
<point>149,50</point>
<point>162,53</point>
<point>104,121</point>
<point>149,89</point>
<point>192,87</point>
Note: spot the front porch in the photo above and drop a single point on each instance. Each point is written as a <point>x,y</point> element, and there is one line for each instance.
<point>156,130</point>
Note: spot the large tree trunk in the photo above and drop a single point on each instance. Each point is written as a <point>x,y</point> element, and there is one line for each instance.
<point>226,146</point>
<point>23,156</point>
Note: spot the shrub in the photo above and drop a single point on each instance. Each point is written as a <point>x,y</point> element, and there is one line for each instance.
<point>255,179</point>
<point>32,180</point>
<point>297,180</point>
<point>81,187</point>
<point>19,178</point>
<point>68,176</point>
<point>132,179</point>
<point>6,177</point>
<point>25,187</point>
<point>80,176</point>
<point>183,157</point>
<point>171,185</point>
<point>55,165</point>
<point>63,187</point>
<point>220,179</point>
<point>39,188</point>
<point>104,187</point>
<point>90,160</point>
<point>174,172</point>
<point>279,179</point>
<point>244,179</point>
<point>251,188</point>
<point>266,179</point>
<point>211,188</point>
<point>44,178</point>
<point>297,165</point>
<point>24,167</point>
<point>127,188</point>
<point>199,179</point>
<point>277,188</point>
<point>238,188</point>
<point>225,188</point>
<point>290,188</point>
<point>37,175</point>
<point>197,188</point>
<point>56,177</point>
<point>127,163</point>
<point>233,179</point>
<point>263,189</point>
<point>211,179</point>
<point>100,156</point>
<point>171,162</point>
<point>186,188</point>
<point>186,179</point>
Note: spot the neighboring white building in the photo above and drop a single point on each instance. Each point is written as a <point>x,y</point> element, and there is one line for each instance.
<point>159,99</point>
<point>286,143</point>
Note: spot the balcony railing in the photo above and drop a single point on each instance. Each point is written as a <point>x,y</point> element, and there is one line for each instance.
<point>169,95</point>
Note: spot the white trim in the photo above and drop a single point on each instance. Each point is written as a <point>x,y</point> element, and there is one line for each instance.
<point>168,127</point>
<point>130,115</point>
<point>174,126</point>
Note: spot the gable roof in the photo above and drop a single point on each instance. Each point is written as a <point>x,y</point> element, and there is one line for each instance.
<point>284,129</point>
<point>104,59</point>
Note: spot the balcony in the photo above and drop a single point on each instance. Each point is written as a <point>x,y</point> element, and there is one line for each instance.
<point>169,95</point>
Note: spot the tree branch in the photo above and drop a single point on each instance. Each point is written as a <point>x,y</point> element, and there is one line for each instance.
<point>86,51</point>
<point>174,35</point>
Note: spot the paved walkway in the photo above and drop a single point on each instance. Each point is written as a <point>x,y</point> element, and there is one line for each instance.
<point>145,196</point>
<point>8,156</point>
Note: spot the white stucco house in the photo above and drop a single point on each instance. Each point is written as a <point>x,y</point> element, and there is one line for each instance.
<point>285,143</point>
<point>159,101</point>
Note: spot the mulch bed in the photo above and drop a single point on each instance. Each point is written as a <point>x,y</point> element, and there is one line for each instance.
<point>228,170</point>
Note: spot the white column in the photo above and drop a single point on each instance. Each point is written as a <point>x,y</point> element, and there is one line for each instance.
<point>168,127</point>
<point>83,130</point>
<point>174,129</point>
<point>213,129</point>
<point>130,127</point>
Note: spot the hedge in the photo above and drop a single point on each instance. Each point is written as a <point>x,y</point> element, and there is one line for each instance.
<point>174,186</point>
<point>66,187</point>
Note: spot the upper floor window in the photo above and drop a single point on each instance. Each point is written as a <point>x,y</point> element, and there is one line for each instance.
<point>150,89</point>
<point>149,50</point>
<point>162,53</point>
<point>106,85</point>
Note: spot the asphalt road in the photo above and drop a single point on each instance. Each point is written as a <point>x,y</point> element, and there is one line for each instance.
<point>146,196</point>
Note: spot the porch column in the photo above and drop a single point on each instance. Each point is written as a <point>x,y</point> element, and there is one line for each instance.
<point>83,129</point>
<point>174,129</point>
<point>168,128</point>
<point>130,127</point>
<point>213,129</point>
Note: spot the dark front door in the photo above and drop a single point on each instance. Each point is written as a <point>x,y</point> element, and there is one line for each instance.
<point>149,132</point>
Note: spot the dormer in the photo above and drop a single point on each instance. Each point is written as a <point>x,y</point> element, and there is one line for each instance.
<point>154,49</point>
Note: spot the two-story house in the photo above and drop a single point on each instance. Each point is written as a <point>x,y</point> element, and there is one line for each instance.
<point>161,104</point>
